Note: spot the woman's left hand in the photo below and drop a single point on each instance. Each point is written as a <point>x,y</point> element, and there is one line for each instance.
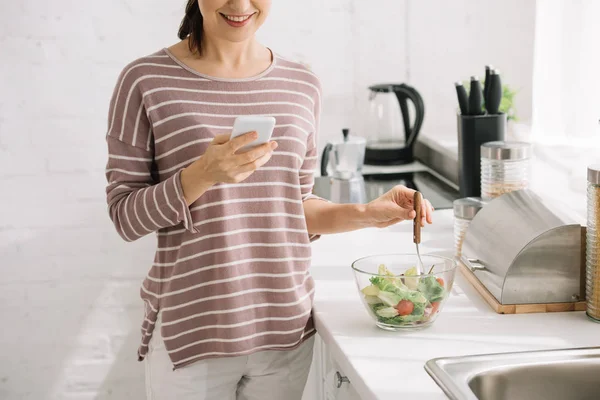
<point>396,206</point>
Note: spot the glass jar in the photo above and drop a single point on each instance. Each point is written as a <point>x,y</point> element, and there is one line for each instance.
<point>464,211</point>
<point>505,167</point>
<point>592,286</point>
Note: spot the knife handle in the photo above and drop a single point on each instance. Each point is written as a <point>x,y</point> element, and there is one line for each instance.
<point>475,97</point>
<point>463,99</point>
<point>417,201</point>
<point>495,93</point>
<point>486,84</point>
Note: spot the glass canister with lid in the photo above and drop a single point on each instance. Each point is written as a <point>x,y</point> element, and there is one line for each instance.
<point>464,211</point>
<point>505,167</point>
<point>592,286</point>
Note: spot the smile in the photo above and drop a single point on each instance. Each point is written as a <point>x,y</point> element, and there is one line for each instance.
<point>237,20</point>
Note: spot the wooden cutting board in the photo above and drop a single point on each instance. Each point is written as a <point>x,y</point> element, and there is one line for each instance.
<point>517,308</point>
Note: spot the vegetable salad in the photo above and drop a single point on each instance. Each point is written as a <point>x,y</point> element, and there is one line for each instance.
<point>405,299</point>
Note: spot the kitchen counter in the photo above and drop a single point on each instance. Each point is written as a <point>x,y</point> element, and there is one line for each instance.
<point>390,365</point>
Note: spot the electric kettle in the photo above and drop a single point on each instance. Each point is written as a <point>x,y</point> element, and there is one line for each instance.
<point>391,127</point>
<point>345,159</point>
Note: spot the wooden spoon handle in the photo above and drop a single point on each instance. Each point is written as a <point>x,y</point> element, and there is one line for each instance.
<point>417,221</point>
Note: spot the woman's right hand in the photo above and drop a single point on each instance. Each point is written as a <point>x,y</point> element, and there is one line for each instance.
<point>220,163</point>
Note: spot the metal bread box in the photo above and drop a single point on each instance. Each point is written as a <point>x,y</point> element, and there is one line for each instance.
<point>524,252</point>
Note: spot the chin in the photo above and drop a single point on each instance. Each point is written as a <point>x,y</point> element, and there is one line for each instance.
<point>237,38</point>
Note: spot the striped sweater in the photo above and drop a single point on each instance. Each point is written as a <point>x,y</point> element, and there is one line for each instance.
<point>230,275</point>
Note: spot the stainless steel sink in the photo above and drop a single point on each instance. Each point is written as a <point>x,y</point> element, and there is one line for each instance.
<point>570,374</point>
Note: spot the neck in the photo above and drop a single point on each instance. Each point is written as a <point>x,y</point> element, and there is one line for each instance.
<point>231,54</point>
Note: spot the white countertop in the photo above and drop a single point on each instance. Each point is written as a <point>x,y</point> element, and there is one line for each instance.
<point>390,365</point>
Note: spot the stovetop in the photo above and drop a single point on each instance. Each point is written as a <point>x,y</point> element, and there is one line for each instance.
<point>439,192</point>
<point>378,180</point>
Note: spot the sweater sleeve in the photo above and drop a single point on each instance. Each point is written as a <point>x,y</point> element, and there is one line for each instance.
<point>311,159</point>
<point>138,203</point>
<point>307,171</point>
<point>309,165</point>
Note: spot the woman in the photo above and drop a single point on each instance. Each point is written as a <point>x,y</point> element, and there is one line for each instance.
<point>228,298</point>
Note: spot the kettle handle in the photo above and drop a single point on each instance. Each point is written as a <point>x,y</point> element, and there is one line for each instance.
<point>404,92</point>
<point>408,132</point>
<point>325,158</point>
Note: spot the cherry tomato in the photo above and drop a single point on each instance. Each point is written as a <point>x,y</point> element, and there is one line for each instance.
<point>405,307</point>
<point>440,281</point>
<point>436,307</point>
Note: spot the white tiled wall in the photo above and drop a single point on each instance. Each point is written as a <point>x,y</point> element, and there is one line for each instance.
<point>69,286</point>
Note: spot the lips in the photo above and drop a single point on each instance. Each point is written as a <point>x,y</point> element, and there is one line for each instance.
<point>237,20</point>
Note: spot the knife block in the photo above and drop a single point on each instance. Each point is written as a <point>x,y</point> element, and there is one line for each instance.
<point>473,131</point>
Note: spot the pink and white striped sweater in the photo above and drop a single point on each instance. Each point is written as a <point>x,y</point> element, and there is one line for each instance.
<point>230,275</point>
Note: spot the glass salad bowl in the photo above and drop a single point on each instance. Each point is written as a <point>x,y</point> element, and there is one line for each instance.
<point>395,296</point>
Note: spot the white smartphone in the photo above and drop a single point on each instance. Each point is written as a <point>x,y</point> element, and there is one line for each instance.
<point>253,123</point>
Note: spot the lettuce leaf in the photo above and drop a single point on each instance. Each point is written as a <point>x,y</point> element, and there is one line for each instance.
<point>373,300</point>
<point>389,298</point>
<point>399,320</point>
<point>387,312</point>
<point>416,297</point>
<point>419,309</point>
<point>411,283</point>
<point>371,290</point>
<point>431,289</point>
<point>389,283</point>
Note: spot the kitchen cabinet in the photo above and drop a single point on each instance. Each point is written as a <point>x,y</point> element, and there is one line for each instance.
<point>327,380</point>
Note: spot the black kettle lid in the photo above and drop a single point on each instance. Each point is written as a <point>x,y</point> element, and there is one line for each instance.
<point>387,87</point>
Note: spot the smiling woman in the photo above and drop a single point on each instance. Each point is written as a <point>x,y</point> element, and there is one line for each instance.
<point>229,295</point>
<point>214,18</point>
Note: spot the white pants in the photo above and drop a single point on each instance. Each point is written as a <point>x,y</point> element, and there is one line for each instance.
<point>264,375</point>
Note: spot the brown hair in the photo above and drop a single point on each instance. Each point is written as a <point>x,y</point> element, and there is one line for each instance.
<point>191,26</point>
